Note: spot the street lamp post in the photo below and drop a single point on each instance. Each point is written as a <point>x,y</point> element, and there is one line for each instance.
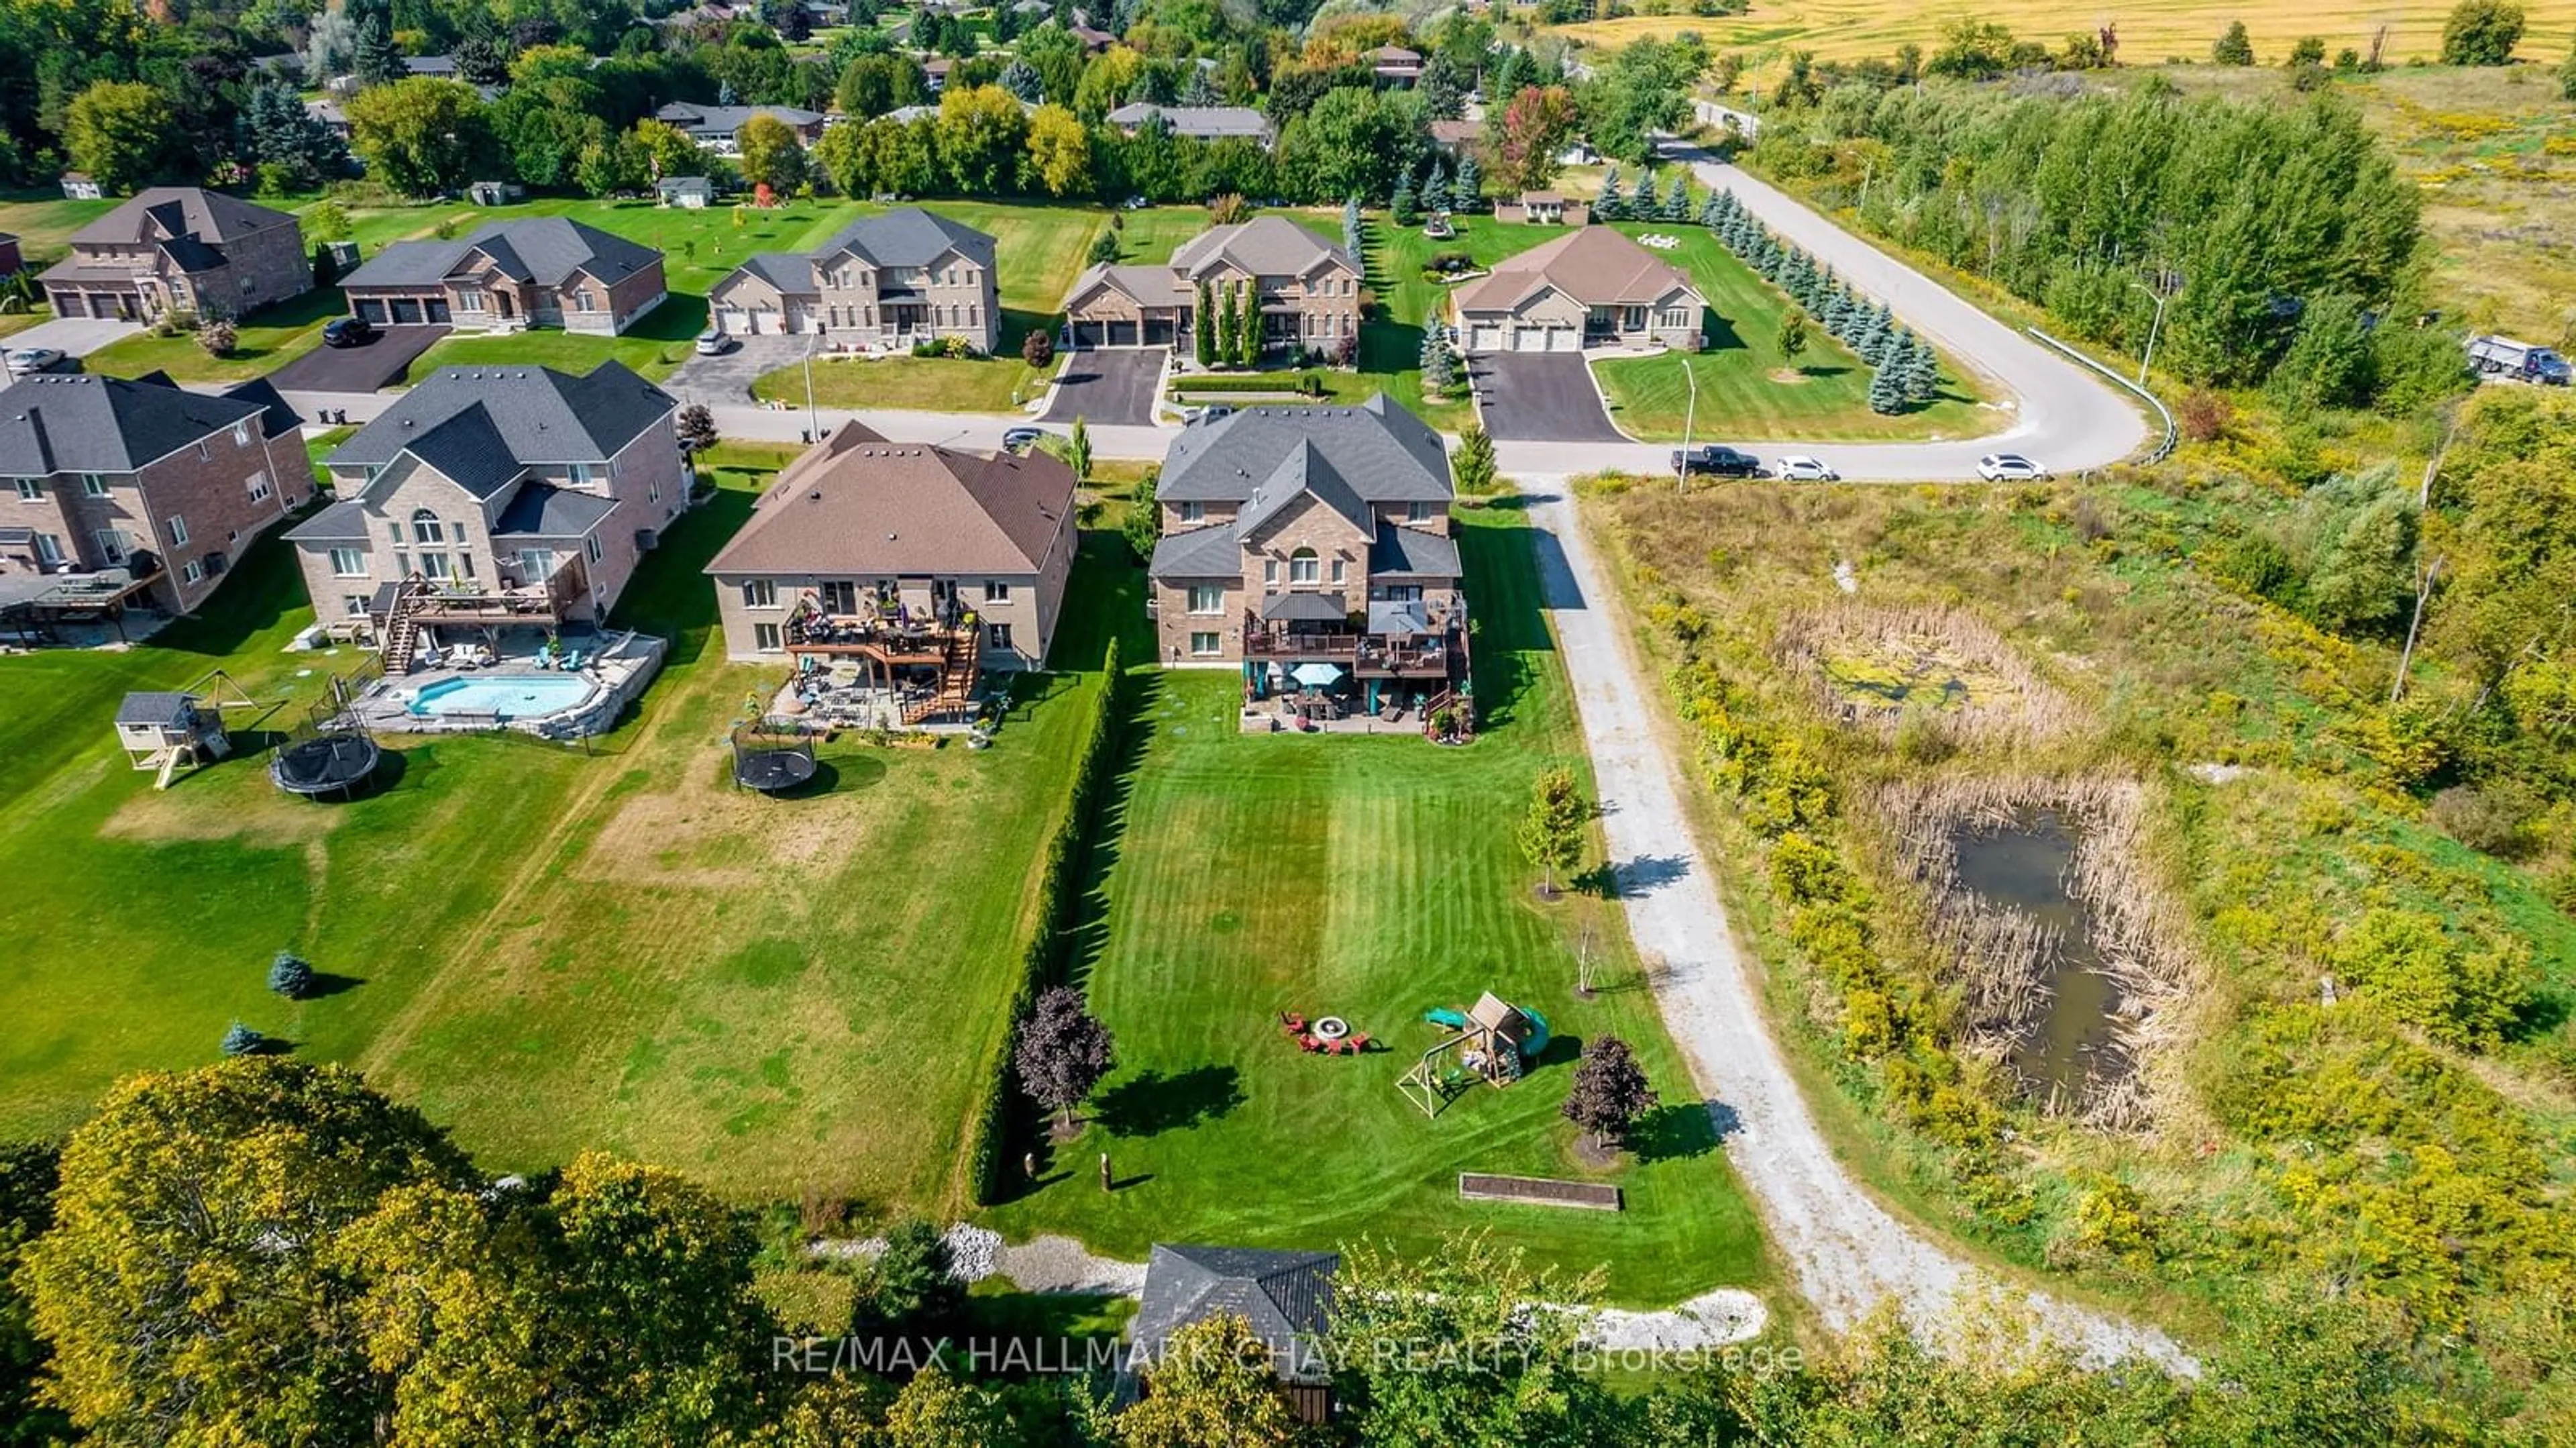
<point>813,424</point>
<point>1690,414</point>
<point>2158,297</point>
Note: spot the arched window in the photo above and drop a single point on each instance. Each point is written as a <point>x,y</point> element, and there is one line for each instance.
<point>425,527</point>
<point>1303,567</point>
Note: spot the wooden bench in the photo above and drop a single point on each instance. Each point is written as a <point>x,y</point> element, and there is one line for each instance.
<point>1538,1191</point>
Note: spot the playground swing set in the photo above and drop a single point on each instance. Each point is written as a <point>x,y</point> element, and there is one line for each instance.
<point>180,731</point>
<point>1489,1043</point>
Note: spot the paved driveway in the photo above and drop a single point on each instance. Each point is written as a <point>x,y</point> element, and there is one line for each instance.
<point>727,376</point>
<point>1540,397</point>
<point>71,336</point>
<point>1113,388</point>
<point>362,368</point>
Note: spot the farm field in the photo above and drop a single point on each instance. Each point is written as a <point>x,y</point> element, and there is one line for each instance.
<point>547,950</point>
<point>2149,33</point>
<point>1370,878</point>
<point>1748,390</point>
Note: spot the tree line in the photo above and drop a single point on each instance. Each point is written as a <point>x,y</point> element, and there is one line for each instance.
<point>266,1251</point>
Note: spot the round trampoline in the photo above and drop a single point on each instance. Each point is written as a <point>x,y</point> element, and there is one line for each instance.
<point>772,768</point>
<point>334,763</point>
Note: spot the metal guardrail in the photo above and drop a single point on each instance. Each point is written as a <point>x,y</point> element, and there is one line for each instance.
<point>2163,449</point>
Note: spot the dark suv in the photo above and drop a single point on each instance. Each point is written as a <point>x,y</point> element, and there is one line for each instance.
<point>1724,462</point>
<point>346,332</point>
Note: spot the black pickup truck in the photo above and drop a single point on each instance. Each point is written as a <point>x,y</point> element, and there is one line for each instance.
<point>1724,462</point>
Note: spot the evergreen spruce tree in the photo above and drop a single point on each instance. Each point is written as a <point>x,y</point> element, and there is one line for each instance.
<point>1713,216</point>
<point>1875,346</point>
<point>377,62</point>
<point>1467,193</point>
<point>1351,226</point>
<point>1435,192</point>
<point>1203,329</point>
<point>1400,208</point>
<point>1922,370</point>
<point>1439,369</point>
<point>1247,325</point>
<point>1677,207</point>
<point>1886,391</point>
<point>1609,207</point>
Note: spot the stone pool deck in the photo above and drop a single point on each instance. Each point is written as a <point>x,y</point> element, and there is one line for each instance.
<point>617,677</point>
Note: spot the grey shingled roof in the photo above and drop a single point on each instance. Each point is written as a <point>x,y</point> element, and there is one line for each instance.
<point>1386,453</point>
<point>1263,246</point>
<point>729,119</point>
<point>1208,123</point>
<point>908,236</point>
<point>1304,472</point>
<point>343,522</point>
<point>1413,553</point>
<point>210,216</point>
<point>1152,286</point>
<point>540,249</point>
<point>788,271</point>
<point>543,415</point>
<point>1285,1296</point>
<point>163,709</point>
<point>276,415</point>
<point>467,448</point>
<point>542,510</point>
<point>89,424</point>
<point>1210,552</point>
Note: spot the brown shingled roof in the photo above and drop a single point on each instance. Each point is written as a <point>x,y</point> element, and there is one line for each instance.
<point>858,504</point>
<point>1595,266</point>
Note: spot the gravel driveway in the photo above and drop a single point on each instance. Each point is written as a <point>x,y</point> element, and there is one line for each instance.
<point>1846,1252</point>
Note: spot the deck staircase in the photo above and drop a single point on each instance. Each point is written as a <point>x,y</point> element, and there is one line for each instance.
<point>960,660</point>
<point>402,627</point>
<point>1449,699</point>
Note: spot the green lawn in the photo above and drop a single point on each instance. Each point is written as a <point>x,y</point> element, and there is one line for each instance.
<point>1370,878</point>
<point>549,950</point>
<point>1748,390</point>
<point>1391,342</point>
<point>263,341</point>
<point>43,222</point>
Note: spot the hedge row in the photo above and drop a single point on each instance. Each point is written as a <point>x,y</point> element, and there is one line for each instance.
<point>1309,383</point>
<point>1059,897</point>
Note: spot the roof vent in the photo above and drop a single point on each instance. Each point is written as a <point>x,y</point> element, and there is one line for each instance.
<point>816,495</point>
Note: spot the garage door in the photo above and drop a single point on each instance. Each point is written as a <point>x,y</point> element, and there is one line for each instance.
<point>406,311</point>
<point>1086,334</point>
<point>1529,339</point>
<point>371,310</point>
<point>438,311</point>
<point>1484,339</point>
<point>70,304</point>
<point>1564,339</point>
<point>733,319</point>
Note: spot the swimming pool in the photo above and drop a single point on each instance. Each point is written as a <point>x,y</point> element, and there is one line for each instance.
<point>510,696</point>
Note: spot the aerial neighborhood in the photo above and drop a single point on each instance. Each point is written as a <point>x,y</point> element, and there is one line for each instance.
<point>1160,725</point>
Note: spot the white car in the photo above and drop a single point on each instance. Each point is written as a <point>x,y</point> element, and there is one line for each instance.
<point>1800,468</point>
<point>712,343</point>
<point>26,361</point>
<point>2009,468</point>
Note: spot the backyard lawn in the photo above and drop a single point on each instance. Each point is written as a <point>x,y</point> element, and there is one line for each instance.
<point>1370,878</point>
<point>548,950</point>
<point>1748,391</point>
<point>1391,343</point>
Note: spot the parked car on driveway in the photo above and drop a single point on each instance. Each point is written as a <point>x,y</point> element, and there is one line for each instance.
<point>2009,468</point>
<point>1800,468</point>
<point>1724,462</point>
<point>347,332</point>
<point>712,343</point>
<point>1021,439</point>
<point>27,361</point>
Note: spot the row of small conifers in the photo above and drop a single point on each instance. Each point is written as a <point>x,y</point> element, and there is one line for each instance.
<point>1043,961</point>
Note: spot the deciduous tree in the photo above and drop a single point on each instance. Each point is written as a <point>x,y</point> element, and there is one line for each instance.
<point>982,132</point>
<point>121,133</point>
<point>1536,125</point>
<point>1059,151</point>
<point>421,135</point>
<point>770,154</point>
<point>1610,1093</point>
<point>2235,47</point>
<point>2481,32</point>
<point>1465,1345</point>
<point>1063,1050</point>
<point>1552,826</point>
<point>1212,1385</point>
<point>1472,466</point>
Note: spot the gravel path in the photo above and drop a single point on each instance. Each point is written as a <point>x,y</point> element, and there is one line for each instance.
<point>1846,1252</point>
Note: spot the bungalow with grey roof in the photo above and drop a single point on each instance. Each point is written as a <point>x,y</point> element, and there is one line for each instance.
<point>494,496</point>
<point>535,271</point>
<point>714,127</point>
<point>1311,548</point>
<point>1198,123</point>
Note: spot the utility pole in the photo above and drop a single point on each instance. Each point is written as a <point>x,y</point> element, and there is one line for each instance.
<point>813,424</point>
<point>1690,415</point>
<point>2156,293</point>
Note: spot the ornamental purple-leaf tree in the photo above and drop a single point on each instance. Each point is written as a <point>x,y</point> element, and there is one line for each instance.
<point>1063,1052</point>
<point>1610,1094</point>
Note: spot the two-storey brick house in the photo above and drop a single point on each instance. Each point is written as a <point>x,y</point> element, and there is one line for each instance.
<point>1312,536</point>
<point>1306,289</point>
<point>526,490</point>
<point>142,482</point>
<point>536,271</point>
<point>884,282</point>
<point>180,248</point>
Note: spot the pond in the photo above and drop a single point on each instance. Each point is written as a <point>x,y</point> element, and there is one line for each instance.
<point>2025,866</point>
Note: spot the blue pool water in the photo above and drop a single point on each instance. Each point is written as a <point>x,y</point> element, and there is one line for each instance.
<point>518,696</point>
